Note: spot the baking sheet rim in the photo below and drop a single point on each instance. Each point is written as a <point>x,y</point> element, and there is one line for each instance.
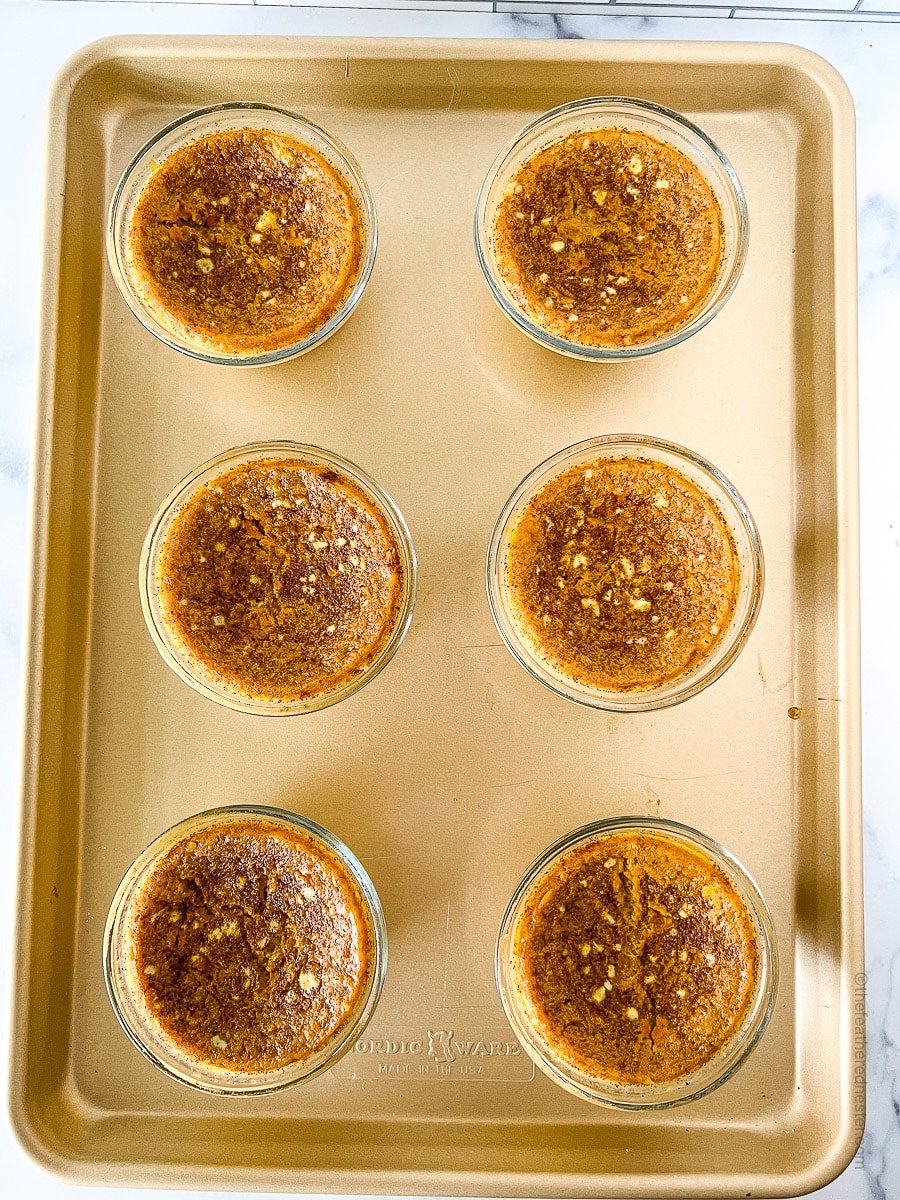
<point>123,47</point>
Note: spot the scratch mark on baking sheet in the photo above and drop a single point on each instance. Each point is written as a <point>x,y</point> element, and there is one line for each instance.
<point>653,799</point>
<point>689,778</point>
<point>447,956</point>
<point>762,674</point>
<point>337,394</point>
<point>455,88</point>
<point>768,691</point>
<point>390,179</point>
<point>515,783</point>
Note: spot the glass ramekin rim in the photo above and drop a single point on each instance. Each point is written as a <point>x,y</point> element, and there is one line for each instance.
<point>617,353</point>
<point>345,1037</point>
<point>761,1009</point>
<point>697,680</point>
<point>258,451</point>
<point>349,167</point>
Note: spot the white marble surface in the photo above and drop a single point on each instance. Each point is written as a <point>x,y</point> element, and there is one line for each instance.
<point>35,38</point>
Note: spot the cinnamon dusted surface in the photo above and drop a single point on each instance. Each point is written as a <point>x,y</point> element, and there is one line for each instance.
<point>281,578</point>
<point>609,237</point>
<point>622,574</point>
<point>639,958</point>
<point>252,945</point>
<point>245,241</point>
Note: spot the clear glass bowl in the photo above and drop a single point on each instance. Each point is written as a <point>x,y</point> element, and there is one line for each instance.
<point>187,129</point>
<point>619,112</point>
<point>179,656</point>
<point>660,1095</point>
<point>125,995</point>
<point>730,506</point>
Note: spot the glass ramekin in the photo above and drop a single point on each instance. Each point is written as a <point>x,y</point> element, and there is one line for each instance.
<point>730,506</point>
<point>653,1096</point>
<point>619,112</point>
<point>125,997</point>
<point>179,658</point>
<point>196,124</point>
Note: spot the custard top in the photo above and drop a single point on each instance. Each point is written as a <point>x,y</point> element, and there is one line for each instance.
<point>622,574</point>
<point>281,578</point>
<point>245,241</point>
<point>252,945</point>
<point>609,238</point>
<point>637,958</point>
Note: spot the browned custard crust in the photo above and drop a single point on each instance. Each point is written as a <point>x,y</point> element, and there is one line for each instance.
<point>609,238</point>
<point>622,574</point>
<point>252,945</point>
<point>639,958</point>
<point>247,240</point>
<point>282,579</point>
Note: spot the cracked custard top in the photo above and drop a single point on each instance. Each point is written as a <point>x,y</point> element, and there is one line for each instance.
<point>637,958</point>
<point>252,945</point>
<point>245,241</point>
<point>609,237</point>
<point>281,578</point>
<point>622,574</point>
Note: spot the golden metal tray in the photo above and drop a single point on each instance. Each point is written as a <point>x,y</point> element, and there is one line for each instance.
<point>453,769</point>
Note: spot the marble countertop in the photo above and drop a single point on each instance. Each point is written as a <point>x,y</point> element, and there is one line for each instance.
<point>39,36</point>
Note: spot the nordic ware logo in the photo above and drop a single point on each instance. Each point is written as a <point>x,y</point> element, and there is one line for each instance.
<point>442,1054</point>
<point>439,1047</point>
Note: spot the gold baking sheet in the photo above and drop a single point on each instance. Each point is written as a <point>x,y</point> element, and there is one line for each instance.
<point>453,769</point>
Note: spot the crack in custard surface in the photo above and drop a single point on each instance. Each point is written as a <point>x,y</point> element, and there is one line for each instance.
<point>609,238</point>
<point>245,241</point>
<point>252,946</point>
<point>622,574</point>
<point>281,578</point>
<point>637,958</point>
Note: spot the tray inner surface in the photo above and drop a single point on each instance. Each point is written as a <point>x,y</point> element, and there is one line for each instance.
<point>453,769</point>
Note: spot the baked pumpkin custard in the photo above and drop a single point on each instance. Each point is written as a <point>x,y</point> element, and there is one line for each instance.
<point>244,950</point>
<point>251,945</point>
<point>639,959</point>
<point>622,574</point>
<point>245,241</point>
<point>280,580</point>
<point>608,238</point>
